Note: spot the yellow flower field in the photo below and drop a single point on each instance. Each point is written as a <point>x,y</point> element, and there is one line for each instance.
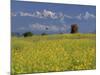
<point>50,53</point>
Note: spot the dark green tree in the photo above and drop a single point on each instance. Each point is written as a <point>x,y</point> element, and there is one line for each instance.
<point>27,34</point>
<point>43,34</point>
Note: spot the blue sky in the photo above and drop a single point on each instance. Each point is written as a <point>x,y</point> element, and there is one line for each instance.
<point>36,17</point>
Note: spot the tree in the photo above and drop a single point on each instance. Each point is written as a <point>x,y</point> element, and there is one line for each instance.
<point>43,34</point>
<point>27,34</point>
<point>74,28</point>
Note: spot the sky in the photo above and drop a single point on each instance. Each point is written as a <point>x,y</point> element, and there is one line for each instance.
<point>37,16</point>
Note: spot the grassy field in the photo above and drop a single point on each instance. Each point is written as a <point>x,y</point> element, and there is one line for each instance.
<point>49,53</point>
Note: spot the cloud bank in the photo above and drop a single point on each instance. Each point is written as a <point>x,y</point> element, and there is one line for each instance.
<point>44,27</point>
<point>54,15</point>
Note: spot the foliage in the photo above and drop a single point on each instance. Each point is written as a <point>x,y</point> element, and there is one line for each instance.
<point>43,34</point>
<point>26,34</point>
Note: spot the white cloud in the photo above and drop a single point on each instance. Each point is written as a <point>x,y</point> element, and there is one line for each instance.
<point>43,14</point>
<point>47,13</point>
<point>22,28</point>
<point>79,17</point>
<point>55,15</point>
<point>26,14</point>
<point>68,16</point>
<point>88,15</point>
<point>38,14</point>
<point>62,16</point>
<point>38,26</point>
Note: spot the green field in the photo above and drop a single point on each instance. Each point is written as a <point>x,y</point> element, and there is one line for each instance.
<point>49,53</point>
